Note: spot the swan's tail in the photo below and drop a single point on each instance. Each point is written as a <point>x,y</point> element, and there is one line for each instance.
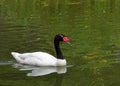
<point>16,56</point>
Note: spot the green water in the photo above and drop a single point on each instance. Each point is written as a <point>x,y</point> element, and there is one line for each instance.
<point>93,27</point>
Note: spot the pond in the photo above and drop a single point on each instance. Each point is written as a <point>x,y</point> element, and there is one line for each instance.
<point>93,26</point>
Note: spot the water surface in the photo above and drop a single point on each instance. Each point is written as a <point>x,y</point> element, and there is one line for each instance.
<point>93,27</point>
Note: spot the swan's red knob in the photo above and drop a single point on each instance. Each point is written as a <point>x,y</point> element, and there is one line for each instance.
<point>66,39</point>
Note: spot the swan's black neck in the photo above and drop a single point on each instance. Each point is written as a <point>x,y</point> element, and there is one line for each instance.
<point>57,49</point>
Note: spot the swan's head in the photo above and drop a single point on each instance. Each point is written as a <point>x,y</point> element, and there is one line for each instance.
<point>62,38</point>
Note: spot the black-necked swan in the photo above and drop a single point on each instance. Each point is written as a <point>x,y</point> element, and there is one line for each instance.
<point>43,58</point>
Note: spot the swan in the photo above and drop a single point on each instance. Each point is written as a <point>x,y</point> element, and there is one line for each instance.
<point>43,58</point>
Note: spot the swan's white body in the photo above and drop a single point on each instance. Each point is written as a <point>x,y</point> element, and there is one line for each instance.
<point>38,59</point>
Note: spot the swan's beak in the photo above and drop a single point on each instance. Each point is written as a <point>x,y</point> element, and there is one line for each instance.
<point>67,42</point>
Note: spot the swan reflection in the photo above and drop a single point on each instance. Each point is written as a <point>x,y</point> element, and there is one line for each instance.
<point>47,70</point>
<point>41,71</point>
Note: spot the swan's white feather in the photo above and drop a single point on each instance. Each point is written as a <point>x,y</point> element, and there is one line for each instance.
<point>38,59</point>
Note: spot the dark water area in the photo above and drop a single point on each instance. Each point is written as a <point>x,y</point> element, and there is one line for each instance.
<point>93,27</point>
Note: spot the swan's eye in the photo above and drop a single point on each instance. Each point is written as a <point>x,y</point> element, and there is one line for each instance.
<point>66,39</point>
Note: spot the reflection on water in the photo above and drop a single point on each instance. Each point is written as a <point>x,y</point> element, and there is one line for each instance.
<point>6,62</point>
<point>41,71</point>
<point>48,70</point>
